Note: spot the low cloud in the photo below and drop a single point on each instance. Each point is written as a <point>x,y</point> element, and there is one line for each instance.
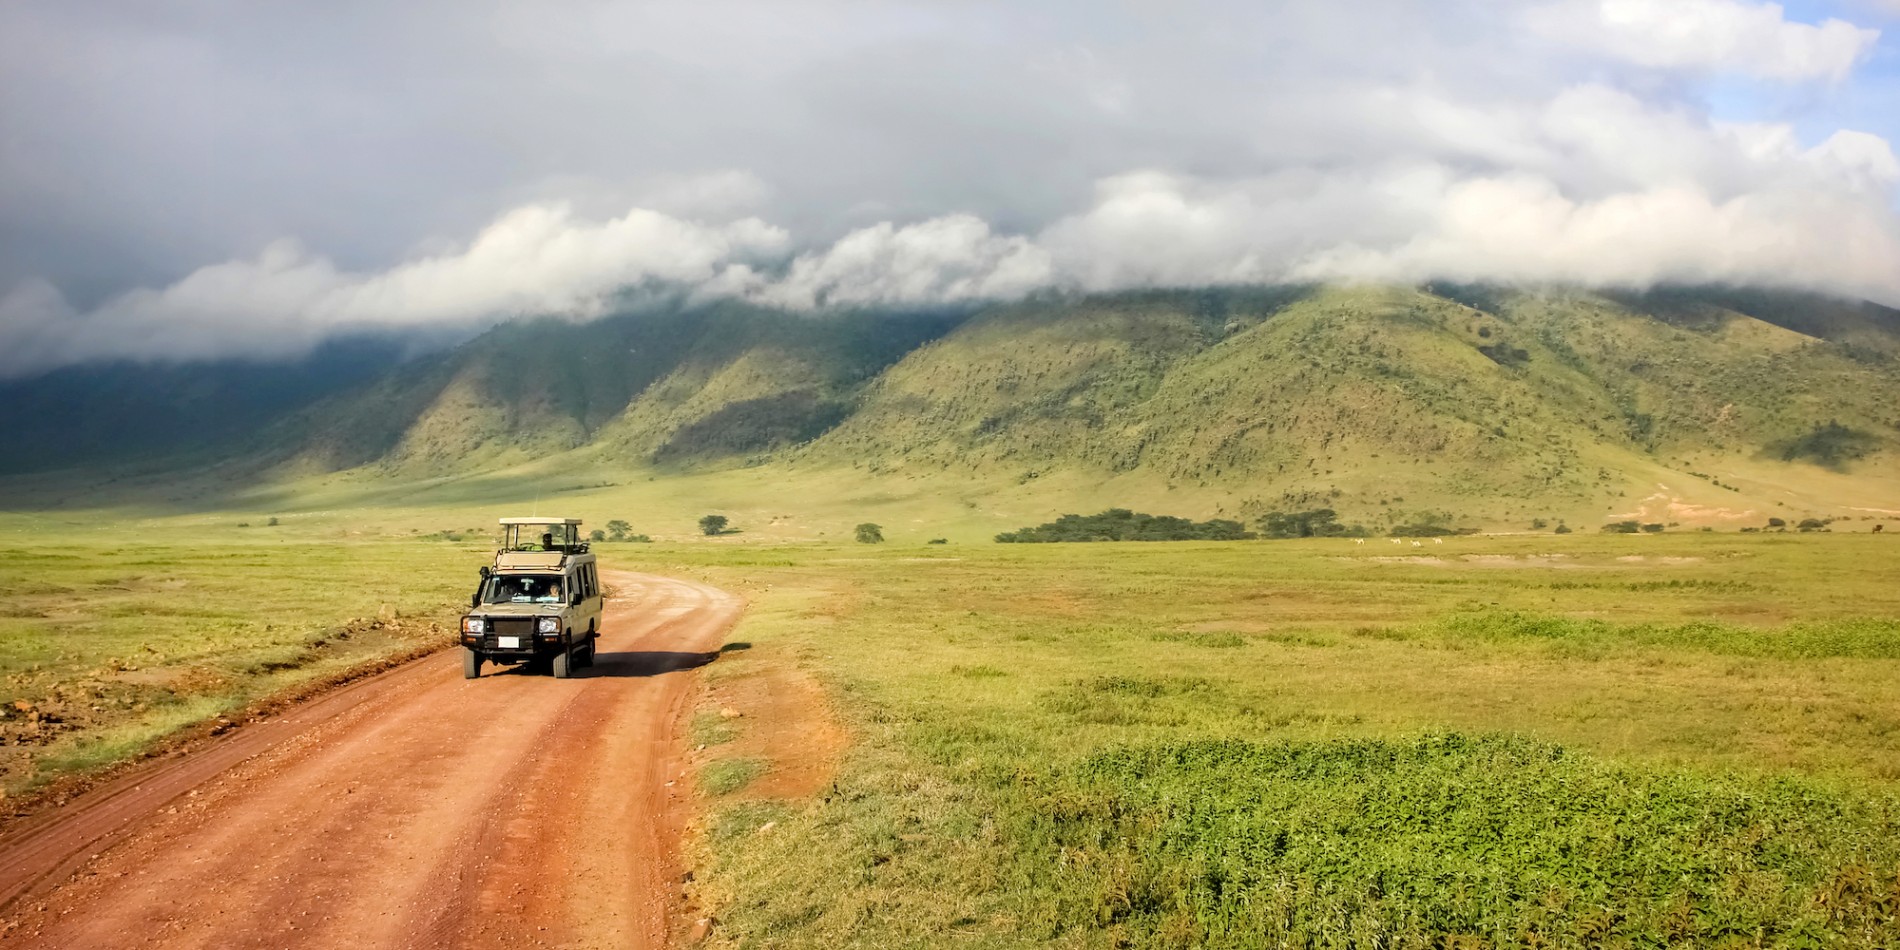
<point>1639,210</point>
<point>953,259</point>
<point>534,260</point>
<point>442,167</point>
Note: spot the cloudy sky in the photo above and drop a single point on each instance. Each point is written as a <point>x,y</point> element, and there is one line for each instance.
<point>185,179</point>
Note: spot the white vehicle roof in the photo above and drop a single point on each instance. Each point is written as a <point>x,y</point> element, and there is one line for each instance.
<point>540,521</point>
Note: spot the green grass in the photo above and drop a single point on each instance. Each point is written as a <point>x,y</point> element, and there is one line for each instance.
<point>1589,740</point>
<point>1312,744</point>
<point>711,729</point>
<point>725,776</point>
<point>113,638</point>
<point>1414,842</point>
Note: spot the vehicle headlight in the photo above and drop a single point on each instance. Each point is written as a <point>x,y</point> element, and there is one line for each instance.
<point>548,625</point>
<point>472,625</point>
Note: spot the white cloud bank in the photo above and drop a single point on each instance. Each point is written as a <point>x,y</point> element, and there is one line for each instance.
<point>1820,218</point>
<point>1751,38</point>
<point>1530,141</point>
<point>534,260</point>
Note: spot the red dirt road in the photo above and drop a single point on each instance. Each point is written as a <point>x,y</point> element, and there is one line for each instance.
<point>411,809</point>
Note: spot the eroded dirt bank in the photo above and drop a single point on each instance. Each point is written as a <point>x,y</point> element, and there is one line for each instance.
<point>415,808</point>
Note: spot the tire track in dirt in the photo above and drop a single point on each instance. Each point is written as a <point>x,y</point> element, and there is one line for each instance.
<point>413,808</point>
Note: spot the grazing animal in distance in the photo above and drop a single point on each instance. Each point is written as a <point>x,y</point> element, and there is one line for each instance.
<point>1418,544</point>
<point>1359,540</point>
<point>1438,540</point>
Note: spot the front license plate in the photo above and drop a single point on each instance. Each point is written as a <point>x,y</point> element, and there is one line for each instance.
<point>508,643</point>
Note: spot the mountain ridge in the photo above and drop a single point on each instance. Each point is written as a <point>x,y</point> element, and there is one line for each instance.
<point>1491,401</point>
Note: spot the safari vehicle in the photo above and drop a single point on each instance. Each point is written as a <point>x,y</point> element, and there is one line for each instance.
<point>538,604</point>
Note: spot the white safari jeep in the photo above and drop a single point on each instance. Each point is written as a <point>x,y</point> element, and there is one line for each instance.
<point>539,604</point>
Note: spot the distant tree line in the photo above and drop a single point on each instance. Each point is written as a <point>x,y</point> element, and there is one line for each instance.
<point>617,530</point>
<point>1632,527</point>
<point>1121,524</point>
<point>1318,523</point>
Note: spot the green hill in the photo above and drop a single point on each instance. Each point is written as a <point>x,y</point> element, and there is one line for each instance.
<point>1476,405</point>
<point>1383,400</point>
<point>668,387</point>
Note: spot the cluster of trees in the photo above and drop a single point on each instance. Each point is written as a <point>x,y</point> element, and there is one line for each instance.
<point>1631,527</point>
<point>1806,524</point>
<point>617,530</point>
<point>1318,523</point>
<point>1121,524</point>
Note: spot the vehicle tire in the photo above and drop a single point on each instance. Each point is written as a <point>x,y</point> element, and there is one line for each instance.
<point>562,663</point>
<point>471,664</point>
<point>588,659</point>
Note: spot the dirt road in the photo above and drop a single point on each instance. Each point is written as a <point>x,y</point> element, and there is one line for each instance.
<point>412,809</point>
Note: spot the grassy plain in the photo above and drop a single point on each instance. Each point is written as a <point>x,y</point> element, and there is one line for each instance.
<point>115,635</point>
<point>1688,739</point>
<point>1684,740</point>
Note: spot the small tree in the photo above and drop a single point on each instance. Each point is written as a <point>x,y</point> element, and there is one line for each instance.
<point>713,524</point>
<point>617,529</point>
<point>596,535</point>
<point>869,533</point>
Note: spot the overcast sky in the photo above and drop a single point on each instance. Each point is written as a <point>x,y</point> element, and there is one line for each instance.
<point>182,179</point>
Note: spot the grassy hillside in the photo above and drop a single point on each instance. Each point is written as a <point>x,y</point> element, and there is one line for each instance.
<point>127,414</point>
<point>1389,402</point>
<point>1466,405</point>
<point>735,379</point>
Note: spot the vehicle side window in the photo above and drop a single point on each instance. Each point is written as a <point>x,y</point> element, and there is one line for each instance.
<point>593,582</point>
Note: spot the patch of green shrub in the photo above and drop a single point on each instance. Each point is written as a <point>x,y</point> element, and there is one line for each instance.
<point>1454,840</point>
<point>726,776</point>
<point>1121,524</point>
<point>1319,523</point>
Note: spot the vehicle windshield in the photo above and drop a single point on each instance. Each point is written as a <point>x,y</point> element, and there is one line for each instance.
<point>522,589</point>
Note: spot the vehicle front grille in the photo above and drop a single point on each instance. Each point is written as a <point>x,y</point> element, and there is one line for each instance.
<point>522,627</point>
<point>512,626</point>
